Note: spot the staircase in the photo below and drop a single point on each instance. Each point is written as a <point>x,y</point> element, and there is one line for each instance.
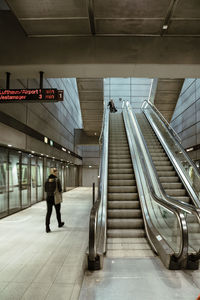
<point>168,177</point>
<point>165,170</point>
<point>125,227</point>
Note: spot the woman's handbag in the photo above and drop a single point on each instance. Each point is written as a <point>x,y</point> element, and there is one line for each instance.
<point>57,195</point>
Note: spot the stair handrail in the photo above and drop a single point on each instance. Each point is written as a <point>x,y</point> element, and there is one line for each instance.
<point>186,157</point>
<point>193,209</point>
<point>179,204</point>
<point>162,117</point>
<point>98,214</point>
<point>163,200</point>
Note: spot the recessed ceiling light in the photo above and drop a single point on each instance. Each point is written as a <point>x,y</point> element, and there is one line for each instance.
<point>189,149</point>
<point>165,27</point>
<point>32,151</point>
<point>90,166</point>
<point>69,152</point>
<point>9,145</point>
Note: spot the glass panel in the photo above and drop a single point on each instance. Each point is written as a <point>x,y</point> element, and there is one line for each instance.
<point>48,168</point>
<point>77,177</point>
<point>59,168</point>
<point>120,80</point>
<point>122,88</point>
<point>167,224</point>
<point>127,88</point>
<point>14,191</point>
<point>40,179</point>
<point>106,80</point>
<point>70,179</point>
<point>25,180</point>
<point>33,181</point>
<point>3,182</point>
<point>193,233</point>
<point>191,173</point>
<point>63,177</point>
<point>67,177</point>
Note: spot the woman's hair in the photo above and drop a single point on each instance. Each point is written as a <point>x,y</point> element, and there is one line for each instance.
<point>54,170</point>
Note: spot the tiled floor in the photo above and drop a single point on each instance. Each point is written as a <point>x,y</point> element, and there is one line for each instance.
<point>139,279</point>
<point>35,265</point>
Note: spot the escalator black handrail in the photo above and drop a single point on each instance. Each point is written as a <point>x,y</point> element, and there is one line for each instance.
<point>179,212</point>
<point>97,231</point>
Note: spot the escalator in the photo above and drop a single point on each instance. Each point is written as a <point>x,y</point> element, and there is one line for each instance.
<point>177,186</point>
<point>136,201</point>
<point>167,174</point>
<point>125,223</point>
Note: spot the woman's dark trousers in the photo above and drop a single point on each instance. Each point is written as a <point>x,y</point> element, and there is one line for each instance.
<point>50,204</point>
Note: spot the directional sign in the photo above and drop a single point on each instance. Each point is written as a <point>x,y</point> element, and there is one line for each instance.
<point>30,95</point>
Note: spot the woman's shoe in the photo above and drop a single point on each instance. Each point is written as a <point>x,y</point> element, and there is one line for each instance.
<point>48,229</point>
<point>61,224</point>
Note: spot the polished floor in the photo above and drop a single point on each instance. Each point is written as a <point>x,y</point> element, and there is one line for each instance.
<point>35,265</point>
<point>139,279</point>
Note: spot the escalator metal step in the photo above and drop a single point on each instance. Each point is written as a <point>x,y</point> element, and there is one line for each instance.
<point>122,189</point>
<point>176,192</point>
<point>125,233</point>
<point>122,176</point>
<point>120,171</point>
<point>121,182</point>
<point>123,204</point>
<point>124,213</point>
<point>125,223</point>
<point>122,196</point>
<point>172,185</point>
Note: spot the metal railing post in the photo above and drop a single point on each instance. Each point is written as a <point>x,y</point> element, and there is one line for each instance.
<point>93,192</point>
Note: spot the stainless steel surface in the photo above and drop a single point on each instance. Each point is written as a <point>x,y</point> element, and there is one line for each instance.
<point>98,215</point>
<point>179,158</point>
<point>193,221</point>
<point>161,199</point>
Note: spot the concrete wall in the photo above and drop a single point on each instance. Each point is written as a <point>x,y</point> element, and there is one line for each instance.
<point>90,175</point>
<point>57,121</point>
<point>90,158</point>
<point>186,117</point>
<point>91,155</point>
<point>96,56</point>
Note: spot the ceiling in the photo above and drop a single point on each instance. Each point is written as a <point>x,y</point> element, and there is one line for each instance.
<point>109,17</point>
<point>91,102</point>
<point>103,38</point>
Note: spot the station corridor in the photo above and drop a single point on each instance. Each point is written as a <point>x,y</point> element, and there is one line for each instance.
<point>36,265</point>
